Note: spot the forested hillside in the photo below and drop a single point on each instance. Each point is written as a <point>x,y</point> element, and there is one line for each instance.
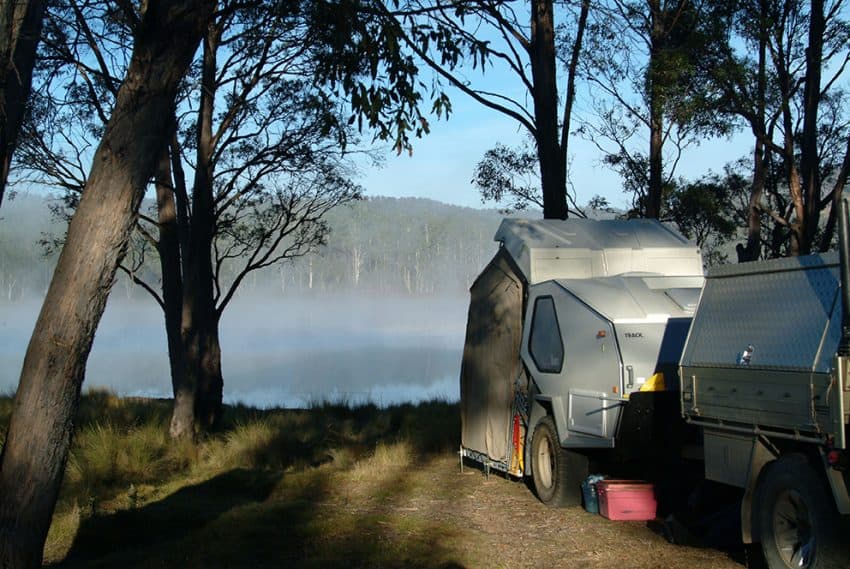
<point>25,268</point>
<point>410,246</point>
<point>379,245</point>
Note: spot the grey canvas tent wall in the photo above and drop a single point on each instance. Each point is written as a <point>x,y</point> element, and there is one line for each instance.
<point>490,362</point>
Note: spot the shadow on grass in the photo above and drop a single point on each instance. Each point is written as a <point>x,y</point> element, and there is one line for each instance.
<point>304,522</point>
<point>302,503</point>
<point>189,509</point>
<point>323,527</point>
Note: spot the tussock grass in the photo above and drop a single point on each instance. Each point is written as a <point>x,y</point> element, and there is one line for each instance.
<point>248,445</point>
<point>105,454</point>
<point>387,458</point>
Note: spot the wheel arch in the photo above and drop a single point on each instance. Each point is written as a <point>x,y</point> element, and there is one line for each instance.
<point>765,454</point>
<point>543,406</point>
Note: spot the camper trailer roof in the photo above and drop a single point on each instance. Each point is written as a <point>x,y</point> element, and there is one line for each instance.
<point>638,298</point>
<point>586,248</point>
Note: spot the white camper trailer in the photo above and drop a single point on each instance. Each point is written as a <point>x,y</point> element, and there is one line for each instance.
<point>566,323</point>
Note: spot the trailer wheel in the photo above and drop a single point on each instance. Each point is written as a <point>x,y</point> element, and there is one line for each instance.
<point>798,524</point>
<point>557,472</point>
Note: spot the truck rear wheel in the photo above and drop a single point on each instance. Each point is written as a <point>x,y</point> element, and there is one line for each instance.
<point>557,472</point>
<point>798,524</point>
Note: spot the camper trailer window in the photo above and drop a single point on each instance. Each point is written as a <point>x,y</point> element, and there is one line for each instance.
<point>544,342</point>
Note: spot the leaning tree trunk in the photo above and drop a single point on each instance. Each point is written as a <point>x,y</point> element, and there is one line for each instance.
<point>542,56</point>
<point>20,30</point>
<point>572,72</point>
<point>41,426</point>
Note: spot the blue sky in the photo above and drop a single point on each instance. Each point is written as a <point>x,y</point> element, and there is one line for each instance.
<point>442,163</point>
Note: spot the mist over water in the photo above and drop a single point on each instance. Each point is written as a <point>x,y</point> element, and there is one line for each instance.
<point>277,351</point>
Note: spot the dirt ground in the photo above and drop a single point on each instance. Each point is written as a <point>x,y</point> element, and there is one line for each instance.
<point>502,524</point>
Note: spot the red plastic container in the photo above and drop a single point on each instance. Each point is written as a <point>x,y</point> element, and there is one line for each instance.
<point>626,500</point>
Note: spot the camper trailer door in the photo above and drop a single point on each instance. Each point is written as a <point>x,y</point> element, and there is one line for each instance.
<point>572,355</point>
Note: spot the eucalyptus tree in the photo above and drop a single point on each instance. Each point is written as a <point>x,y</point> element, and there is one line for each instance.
<point>37,442</point>
<point>20,29</point>
<point>646,67</point>
<point>268,152</point>
<point>784,76</point>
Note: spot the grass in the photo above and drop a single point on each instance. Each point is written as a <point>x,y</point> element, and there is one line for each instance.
<point>330,486</point>
<point>272,488</point>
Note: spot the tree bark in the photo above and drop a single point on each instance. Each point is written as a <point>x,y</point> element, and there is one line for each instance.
<point>542,56</point>
<point>809,159</point>
<point>795,185</point>
<point>656,114</point>
<point>203,379</point>
<point>41,425</point>
<point>572,71</point>
<point>168,248</point>
<point>752,250</point>
<point>20,30</point>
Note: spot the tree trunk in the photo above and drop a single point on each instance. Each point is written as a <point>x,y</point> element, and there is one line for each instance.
<point>41,426</point>
<point>798,226</point>
<point>183,413</point>
<point>795,184</point>
<point>652,208</point>
<point>181,198</point>
<point>809,160</point>
<point>198,400</point>
<point>20,30</point>
<point>542,55</point>
<point>797,216</point>
<point>200,317</point>
<point>210,384</point>
<point>572,71</point>
<point>169,258</point>
<point>752,250</point>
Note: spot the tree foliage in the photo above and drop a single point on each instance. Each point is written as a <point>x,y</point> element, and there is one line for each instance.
<point>510,176</point>
<point>469,36</point>
<point>783,75</point>
<point>646,67</point>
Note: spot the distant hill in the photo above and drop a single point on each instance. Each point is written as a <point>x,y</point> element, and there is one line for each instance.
<point>381,245</point>
<point>406,246</point>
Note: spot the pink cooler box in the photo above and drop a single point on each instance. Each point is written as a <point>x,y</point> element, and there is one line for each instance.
<point>626,500</point>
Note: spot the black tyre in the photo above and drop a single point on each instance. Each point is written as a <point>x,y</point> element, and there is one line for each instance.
<point>798,524</point>
<point>557,472</point>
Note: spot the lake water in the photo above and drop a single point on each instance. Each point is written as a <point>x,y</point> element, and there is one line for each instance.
<point>277,352</point>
